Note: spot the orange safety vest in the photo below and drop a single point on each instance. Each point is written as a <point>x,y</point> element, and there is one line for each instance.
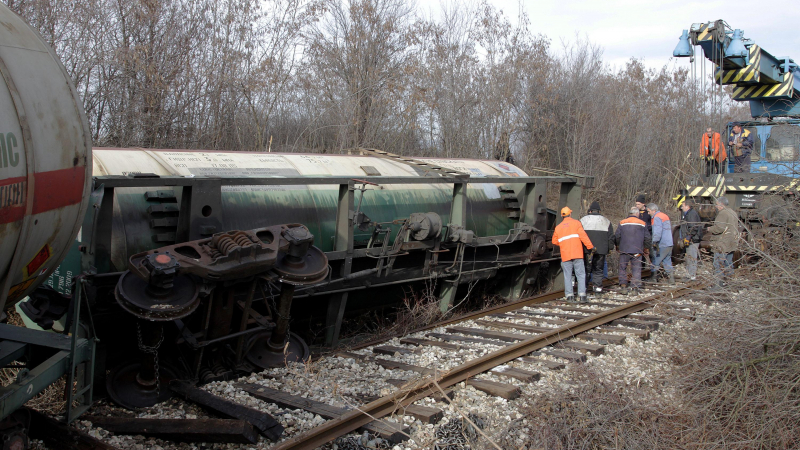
<point>569,235</point>
<point>661,215</point>
<point>717,147</point>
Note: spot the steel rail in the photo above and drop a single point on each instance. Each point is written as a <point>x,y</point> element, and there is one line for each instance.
<point>499,309</point>
<point>387,405</point>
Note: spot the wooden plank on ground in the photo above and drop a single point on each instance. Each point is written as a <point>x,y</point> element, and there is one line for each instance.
<point>426,414</point>
<point>506,391</point>
<point>519,374</point>
<point>569,356</point>
<point>430,343</point>
<point>641,334</point>
<point>387,430</point>
<point>552,365</point>
<point>499,335</point>
<point>592,349</point>
<point>603,338</point>
<point>390,350</point>
<point>264,423</point>
<point>453,338</point>
<point>645,325</point>
<point>231,431</point>
<point>59,436</point>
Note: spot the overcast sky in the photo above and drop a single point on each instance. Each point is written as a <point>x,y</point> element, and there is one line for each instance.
<point>650,30</point>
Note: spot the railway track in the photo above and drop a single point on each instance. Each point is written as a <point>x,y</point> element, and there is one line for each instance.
<point>494,351</point>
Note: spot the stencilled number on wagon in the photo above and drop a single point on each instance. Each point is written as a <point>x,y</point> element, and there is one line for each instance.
<point>8,150</point>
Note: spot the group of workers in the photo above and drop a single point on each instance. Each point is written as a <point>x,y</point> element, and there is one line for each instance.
<point>713,153</point>
<point>645,234</point>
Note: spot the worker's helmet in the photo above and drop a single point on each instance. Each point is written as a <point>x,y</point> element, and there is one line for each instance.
<point>565,211</point>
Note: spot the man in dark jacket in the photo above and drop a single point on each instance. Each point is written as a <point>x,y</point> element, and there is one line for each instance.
<point>643,215</point>
<point>691,232</point>
<point>601,233</point>
<point>740,143</point>
<point>631,238</point>
<point>724,240</point>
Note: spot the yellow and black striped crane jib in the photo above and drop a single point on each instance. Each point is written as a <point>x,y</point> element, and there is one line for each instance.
<point>746,75</point>
<point>720,190</point>
<point>784,89</point>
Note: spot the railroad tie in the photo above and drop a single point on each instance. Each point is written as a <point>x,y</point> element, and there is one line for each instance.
<point>430,343</point>
<point>499,335</point>
<point>592,349</point>
<point>552,365</point>
<point>643,324</point>
<point>264,423</point>
<point>388,364</point>
<point>519,374</point>
<point>603,338</point>
<point>569,356</point>
<point>454,338</point>
<point>392,432</point>
<point>183,430</point>
<point>641,334</point>
<point>513,326</point>
<point>390,350</point>
<point>503,390</point>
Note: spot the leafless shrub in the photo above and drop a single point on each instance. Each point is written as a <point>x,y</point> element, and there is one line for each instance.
<point>732,385</point>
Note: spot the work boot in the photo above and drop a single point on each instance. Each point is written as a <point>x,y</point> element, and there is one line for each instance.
<point>635,291</point>
<point>672,278</point>
<point>570,299</point>
<point>652,278</point>
<point>624,290</point>
<point>583,299</point>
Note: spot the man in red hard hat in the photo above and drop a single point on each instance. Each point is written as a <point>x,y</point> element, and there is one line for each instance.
<point>570,237</point>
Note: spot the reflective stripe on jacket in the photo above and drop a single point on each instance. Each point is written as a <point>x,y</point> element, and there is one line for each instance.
<point>662,230</point>
<point>570,237</point>
<point>632,236</point>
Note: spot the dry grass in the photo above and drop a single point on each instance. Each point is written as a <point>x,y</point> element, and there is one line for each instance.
<point>734,385</point>
<point>51,400</point>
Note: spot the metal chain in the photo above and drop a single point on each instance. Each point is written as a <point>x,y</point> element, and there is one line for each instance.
<point>275,308</point>
<point>153,351</point>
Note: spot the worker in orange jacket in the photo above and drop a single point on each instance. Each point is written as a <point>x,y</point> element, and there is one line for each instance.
<point>712,151</point>
<point>570,237</point>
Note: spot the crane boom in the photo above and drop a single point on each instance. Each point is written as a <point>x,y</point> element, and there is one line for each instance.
<point>771,84</point>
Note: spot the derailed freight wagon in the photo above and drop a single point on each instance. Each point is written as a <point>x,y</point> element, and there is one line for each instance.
<point>193,265</point>
<point>204,259</point>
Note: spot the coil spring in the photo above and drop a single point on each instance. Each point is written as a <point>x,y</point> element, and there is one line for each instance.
<point>206,375</point>
<point>226,245</point>
<point>242,240</point>
<point>219,369</point>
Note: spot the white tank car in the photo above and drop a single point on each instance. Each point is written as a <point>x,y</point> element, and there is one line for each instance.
<point>45,159</point>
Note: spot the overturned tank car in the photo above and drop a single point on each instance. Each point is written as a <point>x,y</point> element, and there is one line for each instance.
<point>195,264</point>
